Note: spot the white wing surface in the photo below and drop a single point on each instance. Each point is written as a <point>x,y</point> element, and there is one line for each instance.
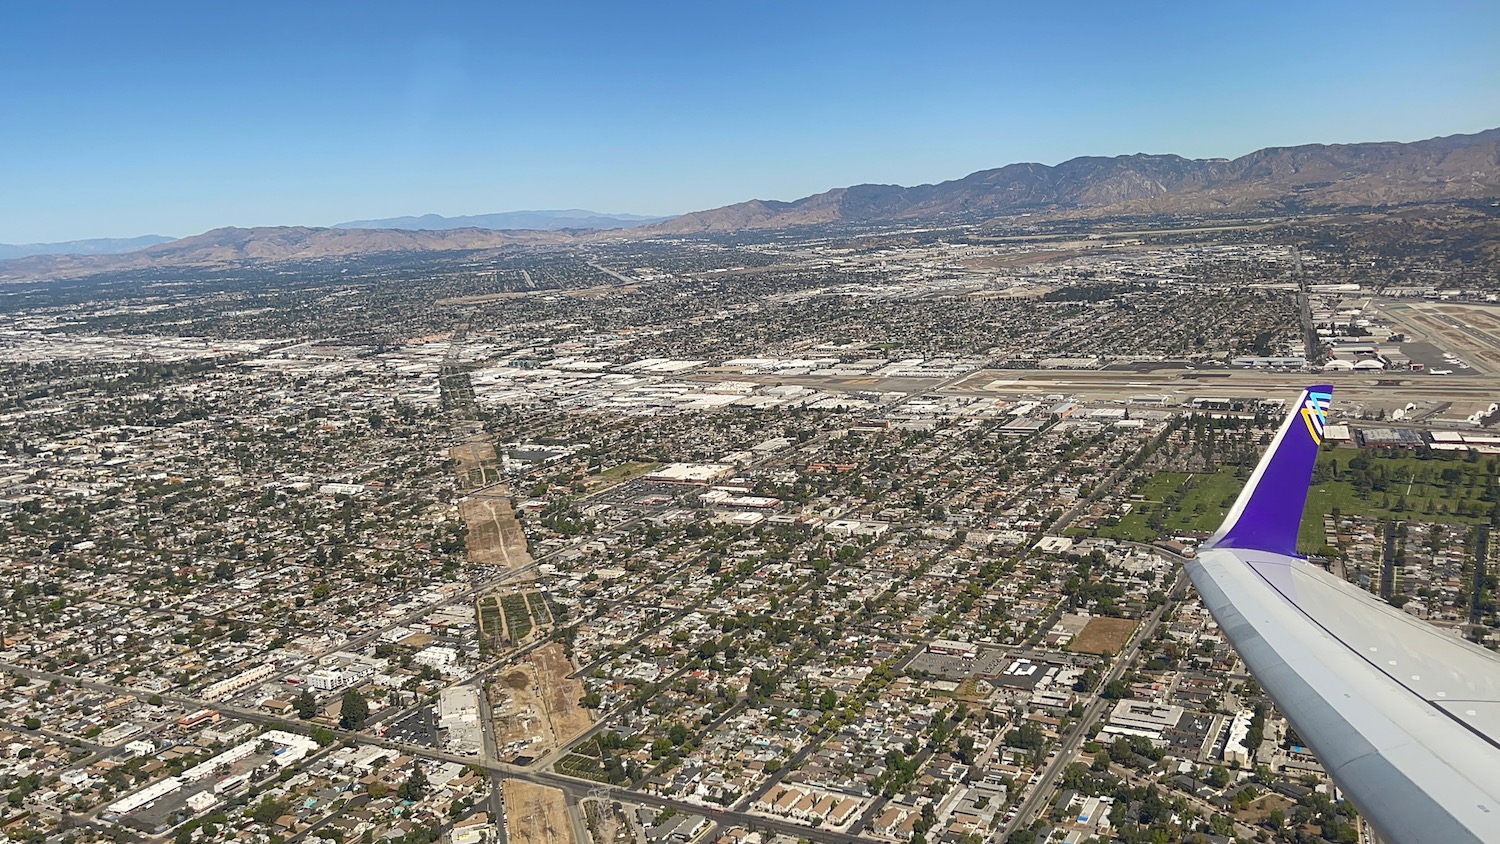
<point>1404,716</point>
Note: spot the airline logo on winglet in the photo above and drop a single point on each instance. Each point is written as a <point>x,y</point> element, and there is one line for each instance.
<point>1315,414</point>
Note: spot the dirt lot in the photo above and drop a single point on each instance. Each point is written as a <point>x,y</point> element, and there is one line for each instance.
<point>1485,318</point>
<point>476,463</point>
<point>568,719</point>
<point>536,814</point>
<point>495,537</point>
<point>520,725</point>
<point>1103,636</point>
<point>536,705</point>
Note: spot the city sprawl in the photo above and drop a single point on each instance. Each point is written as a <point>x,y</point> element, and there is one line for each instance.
<point>847,536</point>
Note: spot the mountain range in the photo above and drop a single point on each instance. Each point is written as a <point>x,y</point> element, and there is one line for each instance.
<point>572,218</point>
<point>229,247</point>
<point>1276,179</point>
<point>92,246</point>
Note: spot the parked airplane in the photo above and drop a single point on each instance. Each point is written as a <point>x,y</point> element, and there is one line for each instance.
<point>1404,716</point>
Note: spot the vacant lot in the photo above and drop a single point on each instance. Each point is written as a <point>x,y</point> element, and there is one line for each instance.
<point>1263,806</point>
<point>560,694</point>
<point>536,704</point>
<point>520,724</point>
<point>475,464</point>
<point>535,814</point>
<point>1103,636</point>
<point>495,537</point>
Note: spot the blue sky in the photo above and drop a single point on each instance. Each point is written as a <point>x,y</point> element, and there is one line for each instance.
<point>119,119</point>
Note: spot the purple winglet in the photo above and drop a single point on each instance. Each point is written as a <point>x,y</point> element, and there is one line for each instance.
<point>1268,512</point>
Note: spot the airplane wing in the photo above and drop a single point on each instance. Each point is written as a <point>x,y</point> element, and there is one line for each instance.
<point>1404,716</point>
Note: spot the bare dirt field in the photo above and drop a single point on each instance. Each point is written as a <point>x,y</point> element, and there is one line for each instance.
<point>560,700</point>
<point>1479,315</point>
<point>481,298</point>
<point>495,536</point>
<point>536,814</point>
<point>536,705</point>
<point>520,725</point>
<point>601,290</point>
<point>1103,636</point>
<point>475,464</point>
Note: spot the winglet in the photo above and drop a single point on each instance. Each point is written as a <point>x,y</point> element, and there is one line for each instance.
<point>1268,512</point>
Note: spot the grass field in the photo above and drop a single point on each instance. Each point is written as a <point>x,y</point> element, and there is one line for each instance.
<point>1436,488</point>
<point>1183,502</point>
<point>1413,488</point>
<point>618,473</point>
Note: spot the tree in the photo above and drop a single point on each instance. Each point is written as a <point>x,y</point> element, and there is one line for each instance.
<point>354,710</point>
<point>268,810</point>
<point>966,748</point>
<point>307,705</point>
<point>415,785</point>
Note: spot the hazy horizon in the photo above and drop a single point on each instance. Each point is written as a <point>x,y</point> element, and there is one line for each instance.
<point>131,124</point>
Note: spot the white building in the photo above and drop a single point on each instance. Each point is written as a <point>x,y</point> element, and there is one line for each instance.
<point>436,656</point>
<point>1235,750</point>
<point>1142,718</point>
<point>239,682</point>
<point>325,680</point>
<point>458,718</point>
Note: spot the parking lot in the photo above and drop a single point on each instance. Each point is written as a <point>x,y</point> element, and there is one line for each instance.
<point>419,728</point>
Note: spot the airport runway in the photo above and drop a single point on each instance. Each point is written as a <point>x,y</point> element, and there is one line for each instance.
<point>1119,385</point>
